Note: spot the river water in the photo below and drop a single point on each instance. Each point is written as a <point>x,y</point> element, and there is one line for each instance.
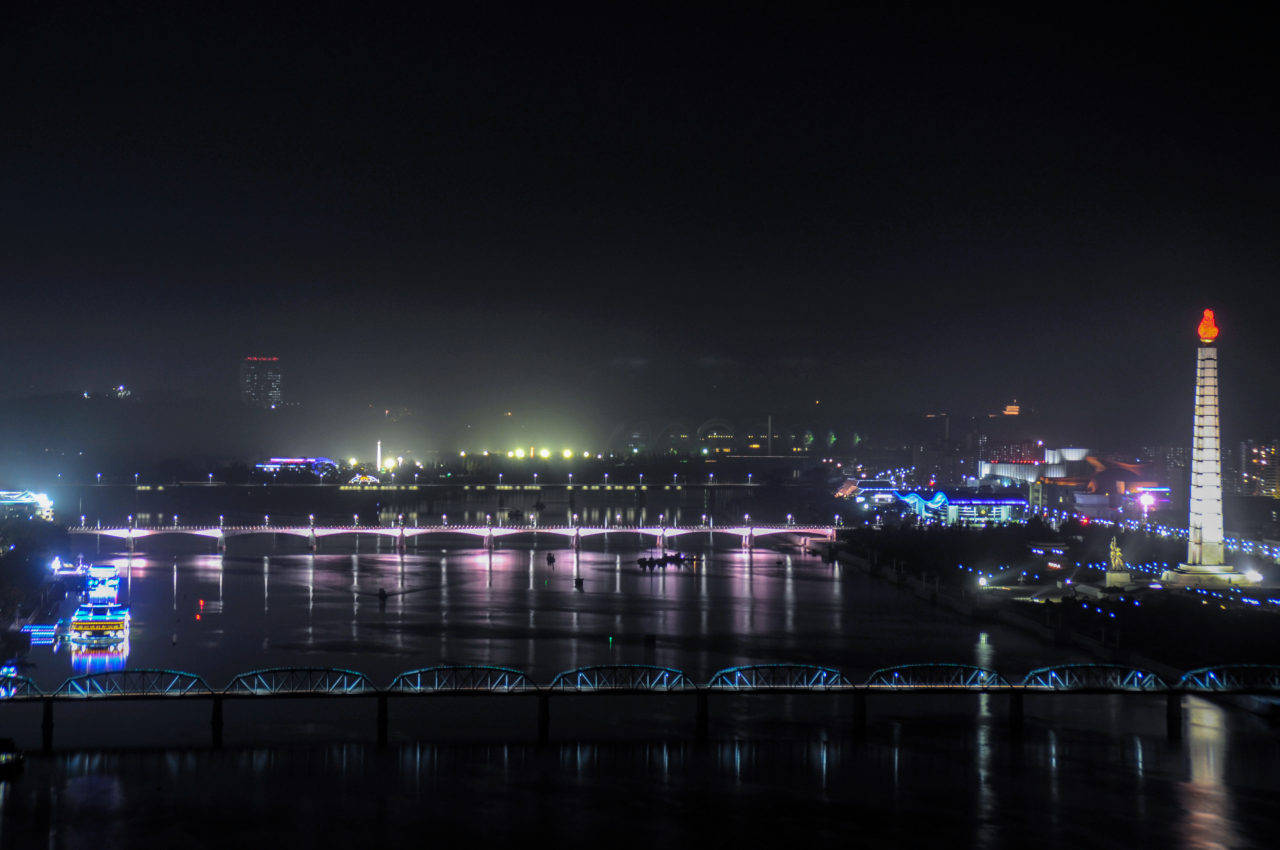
<point>1087,771</point>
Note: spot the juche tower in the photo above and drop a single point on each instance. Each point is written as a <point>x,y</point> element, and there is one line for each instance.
<point>1206,555</point>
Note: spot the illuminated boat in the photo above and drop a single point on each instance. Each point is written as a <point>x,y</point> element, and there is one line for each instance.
<point>99,625</point>
<point>103,583</point>
<point>99,659</point>
<point>61,568</point>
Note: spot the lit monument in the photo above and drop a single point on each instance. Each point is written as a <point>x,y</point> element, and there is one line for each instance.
<point>1205,552</point>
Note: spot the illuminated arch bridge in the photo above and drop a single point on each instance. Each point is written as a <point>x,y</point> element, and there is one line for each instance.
<point>665,535</point>
<point>638,679</point>
<point>633,678</point>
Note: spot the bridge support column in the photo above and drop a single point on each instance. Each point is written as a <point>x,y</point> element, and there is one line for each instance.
<point>382,720</point>
<point>859,715</point>
<point>215,722</point>
<point>544,719</point>
<point>130,538</point>
<point>1173,715</point>
<point>703,724</point>
<point>577,540</point>
<point>1015,713</point>
<point>315,544</point>
<point>400,542</point>
<point>46,727</point>
<point>222,543</point>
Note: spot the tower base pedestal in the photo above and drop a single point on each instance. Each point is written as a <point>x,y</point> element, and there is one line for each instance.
<point>1200,575</point>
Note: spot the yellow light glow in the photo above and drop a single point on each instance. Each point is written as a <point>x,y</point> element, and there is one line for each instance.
<point>544,453</point>
<point>520,453</point>
<point>511,454</point>
<point>351,461</point>
<point>567,453</point>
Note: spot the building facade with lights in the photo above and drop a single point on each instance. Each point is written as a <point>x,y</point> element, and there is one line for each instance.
<point>260,382</point>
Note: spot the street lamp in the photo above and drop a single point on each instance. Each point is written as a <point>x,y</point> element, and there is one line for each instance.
<point>99,477</point>
<point>175,520</point>
<point>210,477</point>
<point>135,477</point>
<point>704,519</point>
<point>311,520</point>
<point>748,477</point>
<point>444,519</point>
<point>266,519</point>
<point>355,519</point>
<point>606,478</point>
<point>790,520</point>
<point>642,478</point>
<point>575,520</point>
<point>570,479</point>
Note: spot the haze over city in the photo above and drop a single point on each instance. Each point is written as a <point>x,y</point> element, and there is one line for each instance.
<point>644,424</point>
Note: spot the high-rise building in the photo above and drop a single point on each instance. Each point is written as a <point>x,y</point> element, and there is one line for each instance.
<point>260,381</point>
<point>1259,470</point>
<point>1206,551</point>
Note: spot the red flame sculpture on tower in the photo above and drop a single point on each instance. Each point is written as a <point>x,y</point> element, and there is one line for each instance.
<point>1208,330</point>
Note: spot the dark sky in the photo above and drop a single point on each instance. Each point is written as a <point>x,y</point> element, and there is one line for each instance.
<point>645,211</point>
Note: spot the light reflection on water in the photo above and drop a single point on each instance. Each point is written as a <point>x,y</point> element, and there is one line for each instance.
<point>904,785</point>
<point>926,767</point>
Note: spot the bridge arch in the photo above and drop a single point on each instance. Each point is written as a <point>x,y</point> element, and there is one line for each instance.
<point>1077,677</point>
<point>146,682</point>
<point>765,676</point>
<point>620,677</point>
<point>938,675</point>
<point>462,678</point>
<point>1232,677</point>
<point>299,680</point>
<point>15,686</point>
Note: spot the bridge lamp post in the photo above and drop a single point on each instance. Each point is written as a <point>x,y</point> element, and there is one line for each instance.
<point>606,479</point>
<point>499,477</point>
<point>175,520</point>
<point>135,478</point>
<point>311,520</point>
<point>82,520</point>
<point>575,520</point>
<point>748,477</point>
<point>444,520</point>
<point>219,520</point>
<point>711,477</point>
<point>355,519</point>
<point>570,479</point>
<point>266,519</point>
<point>642,479</point>
<point>210,477</point>
<point>704,519</point>
<point>535,478</point>
<point>790,520</point>
<point>400,520</point>
<point>99,477</point>
<point>131,520</point>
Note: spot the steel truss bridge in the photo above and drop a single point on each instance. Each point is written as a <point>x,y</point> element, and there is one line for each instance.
<point>455,680</point>
<point>663,535</point>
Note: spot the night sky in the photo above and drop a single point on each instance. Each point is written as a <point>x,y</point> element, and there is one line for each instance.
<point>646,212</point>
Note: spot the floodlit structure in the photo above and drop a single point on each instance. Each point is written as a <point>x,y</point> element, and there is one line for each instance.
<point>1205,546</point>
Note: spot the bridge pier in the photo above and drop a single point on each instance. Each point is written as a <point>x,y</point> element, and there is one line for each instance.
<point>383,720</point>
<point>400,541</point>
<point>1173,715</point>
<point>544,719</point>
<point>46,727</point>
<point>703,724</point>
<point>859,715</point>
<point>1015,713</point>
<point>215,722</point>
<point>315,544</point>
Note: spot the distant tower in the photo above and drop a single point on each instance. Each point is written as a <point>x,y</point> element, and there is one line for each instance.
<point>1205,552</point>
<point>260,381</point>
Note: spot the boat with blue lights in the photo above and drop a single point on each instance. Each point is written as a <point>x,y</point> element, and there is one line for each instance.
<point>98,625</point>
